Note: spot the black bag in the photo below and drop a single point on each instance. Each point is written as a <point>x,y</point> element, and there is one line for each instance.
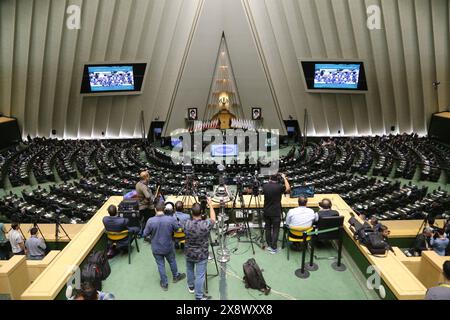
<point>376,243</point>
<point>91,273</point>
<point>100,259</point>
<point>253,277</point>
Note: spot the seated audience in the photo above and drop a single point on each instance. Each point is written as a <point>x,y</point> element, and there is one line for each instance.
<point>325,209</point>
<point>179,212</point>
<point>4,250</point>
<point>88,292</point>
<point>160,229</point>
<point>114,223</point>
<point>441,292</point>
<point>16,240</point>
<point>439,242</point>
<point>35,246</point>
<point>301,216</point>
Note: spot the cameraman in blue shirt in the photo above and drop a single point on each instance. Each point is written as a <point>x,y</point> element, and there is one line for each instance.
<point>160,229</point>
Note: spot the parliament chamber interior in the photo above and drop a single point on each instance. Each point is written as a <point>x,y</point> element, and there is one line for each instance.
<point>225,150</point>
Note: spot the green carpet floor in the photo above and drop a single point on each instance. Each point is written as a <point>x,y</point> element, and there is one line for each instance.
<point>140,280</point>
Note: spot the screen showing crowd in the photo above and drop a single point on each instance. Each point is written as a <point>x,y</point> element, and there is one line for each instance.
<point>111,78</point>
<point>336,76</point>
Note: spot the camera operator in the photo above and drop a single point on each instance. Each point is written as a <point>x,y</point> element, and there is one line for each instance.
<point>35,246</point>
<point>197,232</point>
<point>179,212</point>
<point>422,242</point>
<point>439,242</point>
<point>145,196</point>
<point>273,190</point>
<point>114,223</point>
<point>161,228</point>
<point>16,240</point>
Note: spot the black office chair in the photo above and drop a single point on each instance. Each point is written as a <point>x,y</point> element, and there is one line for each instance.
<point>327,229</point>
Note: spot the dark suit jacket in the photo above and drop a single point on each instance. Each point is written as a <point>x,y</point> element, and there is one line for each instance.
<point>117,224</point>
<point>327,213</point>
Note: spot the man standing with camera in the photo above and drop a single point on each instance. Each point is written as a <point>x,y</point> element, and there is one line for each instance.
<point>145,196</point>
<point>278,184</point>
<point>197,232</point>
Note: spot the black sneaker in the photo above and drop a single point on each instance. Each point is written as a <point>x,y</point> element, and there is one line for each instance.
<point>205,297</point>
<point>180,276</point>
<point>164,287</point>
<point>191,289</point>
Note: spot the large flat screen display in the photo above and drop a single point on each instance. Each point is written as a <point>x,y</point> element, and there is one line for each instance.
<point>224,150</point>
<point>334,76</point>
<point>113,78</point>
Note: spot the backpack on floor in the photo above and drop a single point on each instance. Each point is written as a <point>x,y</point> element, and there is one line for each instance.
<point>253,277</point>
<point>100,259</point>
<point>91,273</point>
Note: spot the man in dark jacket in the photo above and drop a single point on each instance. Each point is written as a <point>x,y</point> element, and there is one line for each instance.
<point>272,209</point>
<point>114,223</point>
<point>160,229</point>
<point>325,209</point>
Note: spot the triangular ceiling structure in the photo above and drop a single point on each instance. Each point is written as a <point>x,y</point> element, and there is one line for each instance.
<point>223,92</point>
<point>197,71</point>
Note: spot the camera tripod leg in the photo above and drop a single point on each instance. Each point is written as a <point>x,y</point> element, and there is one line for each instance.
<point>214,255</point>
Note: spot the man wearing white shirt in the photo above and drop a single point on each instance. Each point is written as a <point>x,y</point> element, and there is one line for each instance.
<point>301,216</point>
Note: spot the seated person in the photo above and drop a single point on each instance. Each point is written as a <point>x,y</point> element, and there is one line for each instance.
<point>441,292</point>
<point>376,225</point>
<point>325,209</point>
<point>88,292</point>
<point>422,242</point>
<point>439,242</point>
<point>114,223</point>
<point>301,216</point>
<point>179,212</point>
<point>35,246</point>
<point>16,240</point>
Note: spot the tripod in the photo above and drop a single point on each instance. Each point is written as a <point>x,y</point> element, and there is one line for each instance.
<point>255,196</point>
<point>424,223</point>
<point>246,227</point>
<point>215,262</point>
<point>59,225</point>
<point>188,191</point>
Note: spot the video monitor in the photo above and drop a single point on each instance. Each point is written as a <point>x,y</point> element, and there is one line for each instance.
<point>224,150</point>
<point>302,191</point>
<point>175,142</point>
<point>290,129</point>
<point>113,78</point>
<point>334,76</point>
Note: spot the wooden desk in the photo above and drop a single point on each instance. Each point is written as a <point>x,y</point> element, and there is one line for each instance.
<point>52,280</point>
<point>444,114</point>
<point>407,228</point>
<point>14,276</point>
<point>430,271</point>
<point>36,267</point>
<point>6,119</point>
<point>401,281</point>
